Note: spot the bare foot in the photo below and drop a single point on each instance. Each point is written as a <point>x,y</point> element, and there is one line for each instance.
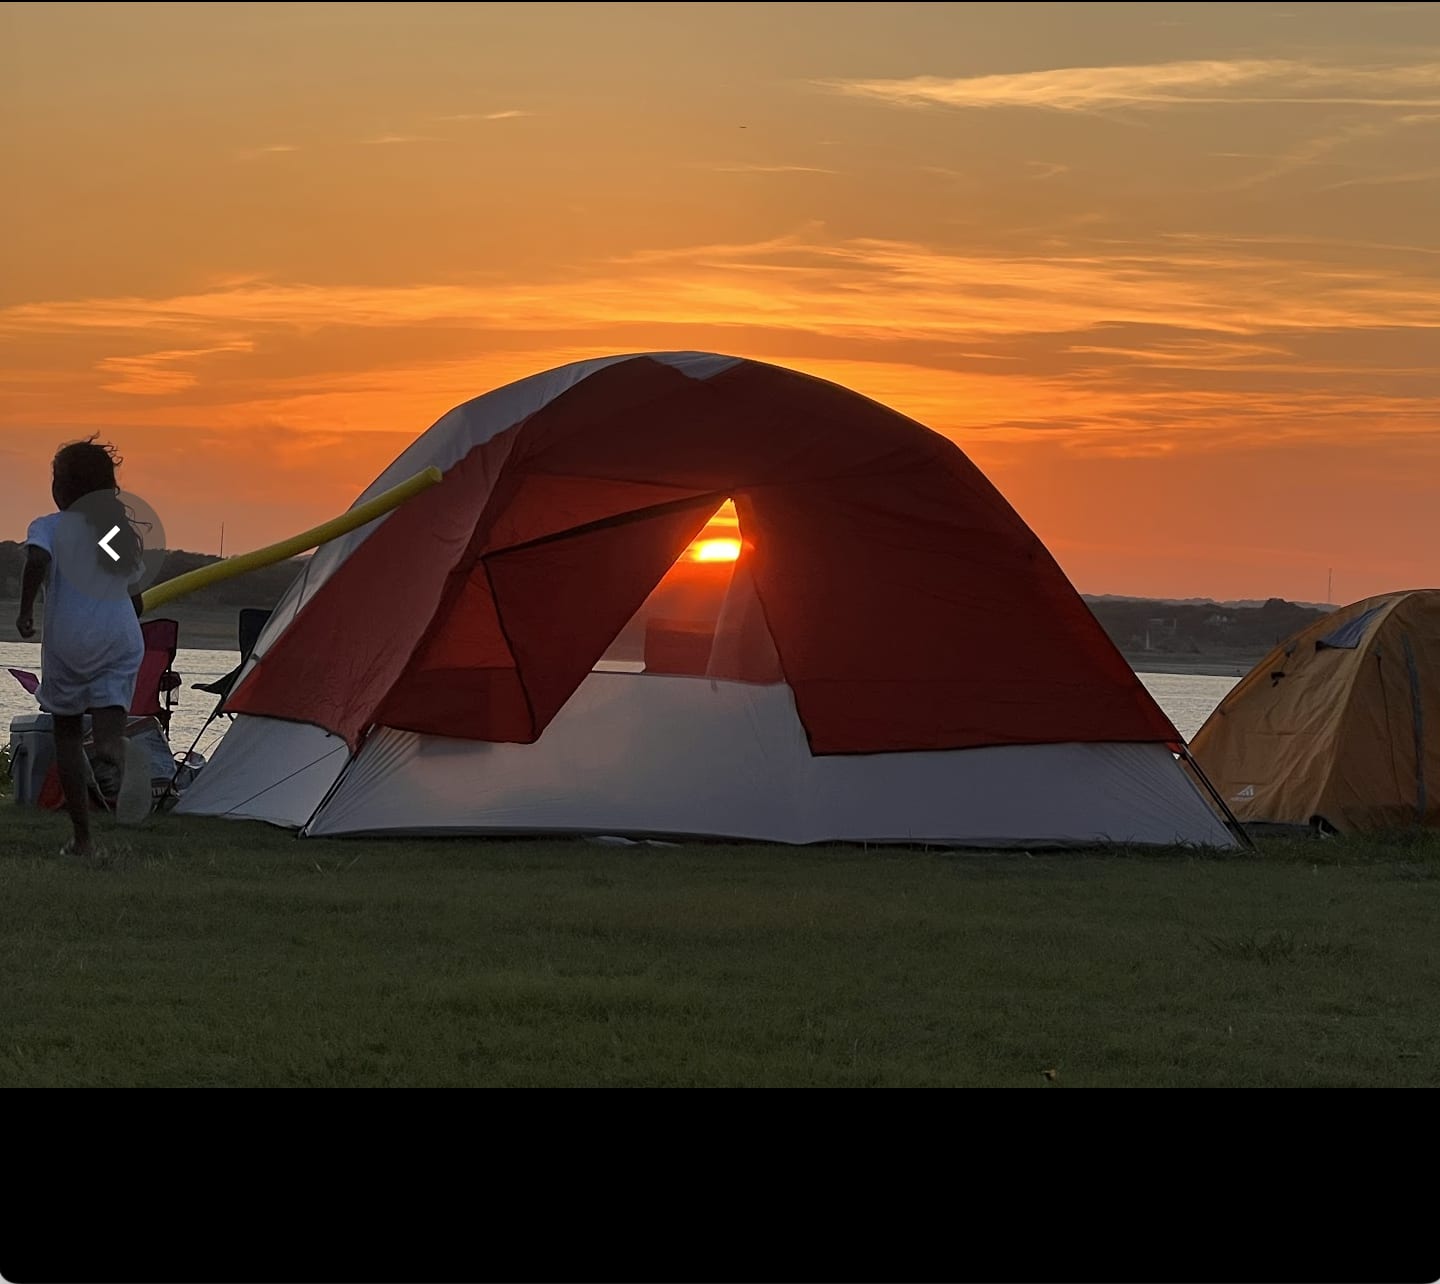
<point>84,849</point>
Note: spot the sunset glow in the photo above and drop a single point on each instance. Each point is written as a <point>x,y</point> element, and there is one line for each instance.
<point>715,550</point>
<point>1169,273</point>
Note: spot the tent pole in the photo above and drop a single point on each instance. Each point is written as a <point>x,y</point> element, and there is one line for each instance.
<point>339,778</point>
<point>1214,793</point>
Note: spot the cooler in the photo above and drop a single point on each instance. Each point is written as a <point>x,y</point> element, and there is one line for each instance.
<point>32,750</point>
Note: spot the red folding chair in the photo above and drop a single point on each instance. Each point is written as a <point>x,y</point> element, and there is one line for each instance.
<point>157,682</point>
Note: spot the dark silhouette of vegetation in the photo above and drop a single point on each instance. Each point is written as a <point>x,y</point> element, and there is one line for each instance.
<point>1141,625</point>
<point>257,588</point>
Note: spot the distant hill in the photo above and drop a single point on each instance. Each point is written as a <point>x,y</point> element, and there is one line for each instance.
<point>257,588</point>
<point>1205,601</point>
<point>207,617</point>
<point>1148,626</point>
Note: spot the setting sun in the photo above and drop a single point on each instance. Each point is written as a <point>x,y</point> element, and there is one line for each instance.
<point>715,550</point>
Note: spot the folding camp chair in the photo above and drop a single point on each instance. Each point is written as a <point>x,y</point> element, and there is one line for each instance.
<point>252,623</point>
<point>157,681</point>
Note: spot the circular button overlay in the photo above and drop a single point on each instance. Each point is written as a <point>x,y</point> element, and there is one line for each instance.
<point>95,552</point>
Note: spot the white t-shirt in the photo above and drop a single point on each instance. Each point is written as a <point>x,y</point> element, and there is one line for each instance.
<point>92,646</point>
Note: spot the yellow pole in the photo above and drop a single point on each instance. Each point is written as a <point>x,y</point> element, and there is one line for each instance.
<point>313,538</point>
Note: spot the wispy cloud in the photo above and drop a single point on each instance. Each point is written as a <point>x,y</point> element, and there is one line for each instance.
<point>391,140</point>
<point>1113,348</point>
<point>1298,242</point>
<point>767,169</point>
<point>270,149</point>
<point>728,251</point>
<point>1198,354</point>
<point>151,374</point>
<point>512,114</point>
<point>863,287</point>
<point>1325,147</point>
<point>1386,180</point>
<point>1169,84</point>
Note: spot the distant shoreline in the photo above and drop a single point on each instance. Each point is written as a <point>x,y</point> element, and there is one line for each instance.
<point>1211,666</point>
<point>202,628</point>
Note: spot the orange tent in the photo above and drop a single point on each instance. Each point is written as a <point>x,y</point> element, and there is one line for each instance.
<point>1340,724</point>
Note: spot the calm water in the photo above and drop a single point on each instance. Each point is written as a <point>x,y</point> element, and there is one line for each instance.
<point>1187,697</point>
<point>187,717</point>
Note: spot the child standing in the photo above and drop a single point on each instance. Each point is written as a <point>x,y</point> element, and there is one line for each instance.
<point>91,652</point>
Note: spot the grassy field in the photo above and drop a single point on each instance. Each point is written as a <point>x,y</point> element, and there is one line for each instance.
<point>222,953</point>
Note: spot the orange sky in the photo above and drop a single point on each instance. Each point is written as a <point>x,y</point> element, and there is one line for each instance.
<point>1170,273</point>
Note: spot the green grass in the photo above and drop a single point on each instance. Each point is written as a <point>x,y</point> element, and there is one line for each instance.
<point>214,952</point>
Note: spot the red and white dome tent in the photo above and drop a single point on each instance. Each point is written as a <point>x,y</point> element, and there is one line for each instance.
<point>893,656</point>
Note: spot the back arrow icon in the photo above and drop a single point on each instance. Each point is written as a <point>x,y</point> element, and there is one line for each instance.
<point>105,543</point>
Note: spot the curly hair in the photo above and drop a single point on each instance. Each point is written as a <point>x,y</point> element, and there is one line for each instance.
<point>87,468</point>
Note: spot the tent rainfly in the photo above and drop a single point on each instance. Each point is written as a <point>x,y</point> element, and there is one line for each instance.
<point>892,655</point>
